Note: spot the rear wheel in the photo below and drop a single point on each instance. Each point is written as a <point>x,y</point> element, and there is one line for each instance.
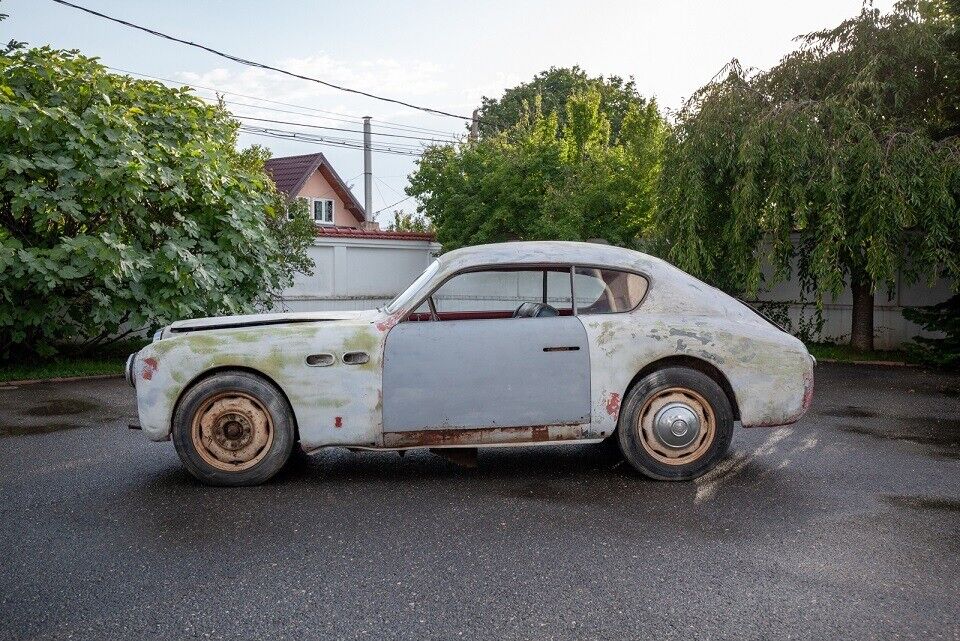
<point>233,428</point>
<point>676,424</point>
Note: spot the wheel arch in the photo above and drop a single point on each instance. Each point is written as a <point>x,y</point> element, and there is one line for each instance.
<point>694,363</point>
<point>220,369</point>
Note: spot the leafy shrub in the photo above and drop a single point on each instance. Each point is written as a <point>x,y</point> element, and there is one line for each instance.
<point>943,318</point>
<point>125,204</point>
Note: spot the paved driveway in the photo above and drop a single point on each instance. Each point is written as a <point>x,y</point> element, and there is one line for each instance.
<point>846,525</point>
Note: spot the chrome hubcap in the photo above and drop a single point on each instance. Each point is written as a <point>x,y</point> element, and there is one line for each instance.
<point>676,425</point>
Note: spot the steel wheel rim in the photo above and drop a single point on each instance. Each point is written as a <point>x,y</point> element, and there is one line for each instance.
<point>661,426</point>
<point>232,431</point>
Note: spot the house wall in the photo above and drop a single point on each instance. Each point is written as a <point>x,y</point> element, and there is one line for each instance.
<point>357,273</point>
<point>318,187</point>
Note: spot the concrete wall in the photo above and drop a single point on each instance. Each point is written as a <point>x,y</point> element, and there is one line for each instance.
<point>357,273</point>
<point>891,329</point>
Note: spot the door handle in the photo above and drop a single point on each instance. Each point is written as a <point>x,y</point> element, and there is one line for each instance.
<point>562,348</point>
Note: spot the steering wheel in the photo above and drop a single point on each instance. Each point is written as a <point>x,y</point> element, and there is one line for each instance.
<point>535,310</point>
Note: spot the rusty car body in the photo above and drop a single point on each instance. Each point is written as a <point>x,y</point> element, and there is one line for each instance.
<point>432,371</point>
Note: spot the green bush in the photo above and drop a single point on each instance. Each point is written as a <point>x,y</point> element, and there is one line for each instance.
<point>125,204</point>
<point>945,318</point>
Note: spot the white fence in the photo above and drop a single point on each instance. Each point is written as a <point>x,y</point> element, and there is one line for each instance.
<point>891,329</point>
<point>358,273</point>
<point>363,273</point>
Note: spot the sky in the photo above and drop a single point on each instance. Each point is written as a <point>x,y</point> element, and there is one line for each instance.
<point>441,54</point>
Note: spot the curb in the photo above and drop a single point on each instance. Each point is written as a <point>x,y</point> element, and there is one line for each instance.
<point>61,379</point>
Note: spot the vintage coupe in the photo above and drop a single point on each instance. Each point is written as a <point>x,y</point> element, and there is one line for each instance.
<point>495,345</point>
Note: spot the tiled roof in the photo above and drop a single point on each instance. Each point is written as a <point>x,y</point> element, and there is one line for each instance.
<point>289,173</point>
<point>377,234</point>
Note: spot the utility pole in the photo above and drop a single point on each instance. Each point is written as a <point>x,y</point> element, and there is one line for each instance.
<point>367,172</point>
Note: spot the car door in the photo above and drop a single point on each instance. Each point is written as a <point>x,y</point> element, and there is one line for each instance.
<point>470,371</point>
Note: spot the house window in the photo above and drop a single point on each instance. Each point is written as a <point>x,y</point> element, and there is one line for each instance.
<point>323,211</point>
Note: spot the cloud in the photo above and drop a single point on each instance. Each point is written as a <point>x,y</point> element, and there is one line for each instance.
<point>405,80</point>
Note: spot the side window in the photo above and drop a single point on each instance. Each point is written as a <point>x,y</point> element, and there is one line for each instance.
<point>607,291</point>
<point>498,293</point>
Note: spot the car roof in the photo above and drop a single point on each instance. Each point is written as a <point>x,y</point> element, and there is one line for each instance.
<point>547,252</point>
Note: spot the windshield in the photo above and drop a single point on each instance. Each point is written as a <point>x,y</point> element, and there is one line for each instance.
<point>404,298</point>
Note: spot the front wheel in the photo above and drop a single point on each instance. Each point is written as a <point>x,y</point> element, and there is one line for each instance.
<point>233,428</point>
<point>676,424</point>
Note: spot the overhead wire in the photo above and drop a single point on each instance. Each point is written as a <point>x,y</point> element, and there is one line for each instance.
<point>312,126</point>
<point>322,140</point>
<point>327,115</point>
<point>392,205</point>
<point>260,65</point>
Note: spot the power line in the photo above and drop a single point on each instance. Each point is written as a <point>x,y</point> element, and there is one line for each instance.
<point>311,126</point>
<point>234,103</point>
<point>341,142</point>
<point>286,134</point>
<point>393,205</point>
<point>396,146</point>
<point>347,118</point>
<point>354,141</point>
<point>380,191</point>
<point>385,184</point>
<point>260,65</point>
<point>295,138</point>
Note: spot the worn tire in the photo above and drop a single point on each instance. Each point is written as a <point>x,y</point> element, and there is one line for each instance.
<point>222,412</point>
<point>646,449</point>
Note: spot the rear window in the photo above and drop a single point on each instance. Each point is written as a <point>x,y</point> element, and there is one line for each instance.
<point>607,291</point>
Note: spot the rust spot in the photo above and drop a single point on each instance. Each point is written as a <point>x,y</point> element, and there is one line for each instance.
<point>613,404</point>
<point>484,436</point>
<point>388,322</point>
<point>149,367</point>
<point>338,421</point>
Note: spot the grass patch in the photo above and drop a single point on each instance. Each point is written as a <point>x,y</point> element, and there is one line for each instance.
<point>107,360</point>
<point>845,353</point>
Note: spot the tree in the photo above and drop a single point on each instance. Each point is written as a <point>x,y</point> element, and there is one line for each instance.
<point>553,88</point>
<point>124,204</point>
<point>841,158</point>
<point>541,180</point>
<point>409,222</point>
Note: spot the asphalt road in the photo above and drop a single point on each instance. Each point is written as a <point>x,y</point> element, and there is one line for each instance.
<point>846,525</point>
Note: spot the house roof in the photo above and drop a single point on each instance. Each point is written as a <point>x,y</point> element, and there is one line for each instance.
<point>376,234</point>
<point>290,173</point>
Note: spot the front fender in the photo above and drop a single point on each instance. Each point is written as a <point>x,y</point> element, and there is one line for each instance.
<point>335,404</point>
